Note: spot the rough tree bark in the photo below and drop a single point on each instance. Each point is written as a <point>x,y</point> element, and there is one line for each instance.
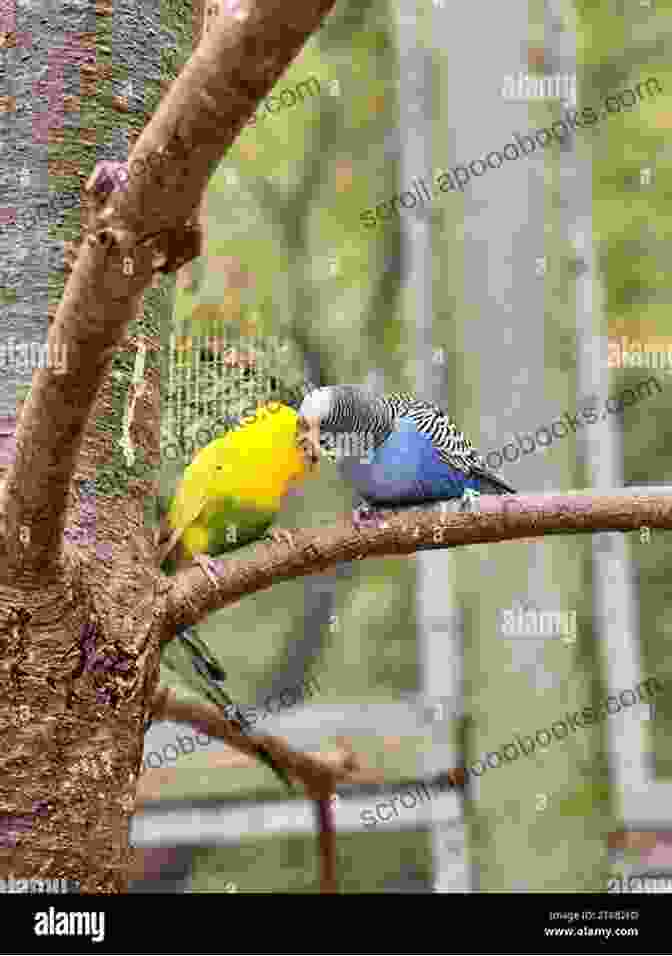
<point>80,658</point>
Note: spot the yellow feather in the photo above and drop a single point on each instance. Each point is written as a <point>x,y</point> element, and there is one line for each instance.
<point>252,466</point>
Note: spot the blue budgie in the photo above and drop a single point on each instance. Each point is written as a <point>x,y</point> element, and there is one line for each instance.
<point>415,452</point>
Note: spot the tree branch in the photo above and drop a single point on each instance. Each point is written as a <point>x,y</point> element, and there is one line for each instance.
<point>190,596</point>
<point>319,773</point>
<point>241,55</point>
<point>154,779</point>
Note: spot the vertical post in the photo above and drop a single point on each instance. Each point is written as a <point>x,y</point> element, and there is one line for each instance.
<point>438,636</point>
<point>615,611</point>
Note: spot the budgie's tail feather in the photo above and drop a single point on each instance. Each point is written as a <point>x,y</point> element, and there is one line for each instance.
<point>491,483</point>
<point>237,718</point>
<point>208,667</point>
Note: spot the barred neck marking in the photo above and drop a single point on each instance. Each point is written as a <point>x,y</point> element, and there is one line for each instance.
<point>358,410</point>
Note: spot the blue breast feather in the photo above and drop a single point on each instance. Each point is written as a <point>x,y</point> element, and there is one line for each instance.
<point>406,468</point>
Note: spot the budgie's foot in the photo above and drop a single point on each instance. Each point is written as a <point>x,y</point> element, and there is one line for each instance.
<point>469,500</point>
<point>206,565</point>
<point>281,536</point>
<point>166,540</point>
<point>364,516</point>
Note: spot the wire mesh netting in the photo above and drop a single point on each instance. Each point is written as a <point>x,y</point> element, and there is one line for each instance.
<point>216,377</point>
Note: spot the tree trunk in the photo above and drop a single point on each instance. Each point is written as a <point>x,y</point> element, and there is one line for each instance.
<point>79,645</point>
<point>77,671</point>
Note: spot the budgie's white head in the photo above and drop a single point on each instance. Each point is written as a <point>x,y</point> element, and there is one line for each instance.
<point>342,420</point>
<point>340,408</point>
<point>317,404</point>
<point>315,410</point>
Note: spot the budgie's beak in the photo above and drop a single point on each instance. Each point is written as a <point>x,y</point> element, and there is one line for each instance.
<point>308,440</point>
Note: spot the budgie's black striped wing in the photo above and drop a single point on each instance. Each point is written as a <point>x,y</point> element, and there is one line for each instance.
<point>452,445</point>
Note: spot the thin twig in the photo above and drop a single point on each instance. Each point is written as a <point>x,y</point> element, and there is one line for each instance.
<point>318,773</point>
<point>324,812</point>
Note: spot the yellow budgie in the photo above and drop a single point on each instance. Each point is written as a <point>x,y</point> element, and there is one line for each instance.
<point>232,491</point>
<point>229,496</point>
